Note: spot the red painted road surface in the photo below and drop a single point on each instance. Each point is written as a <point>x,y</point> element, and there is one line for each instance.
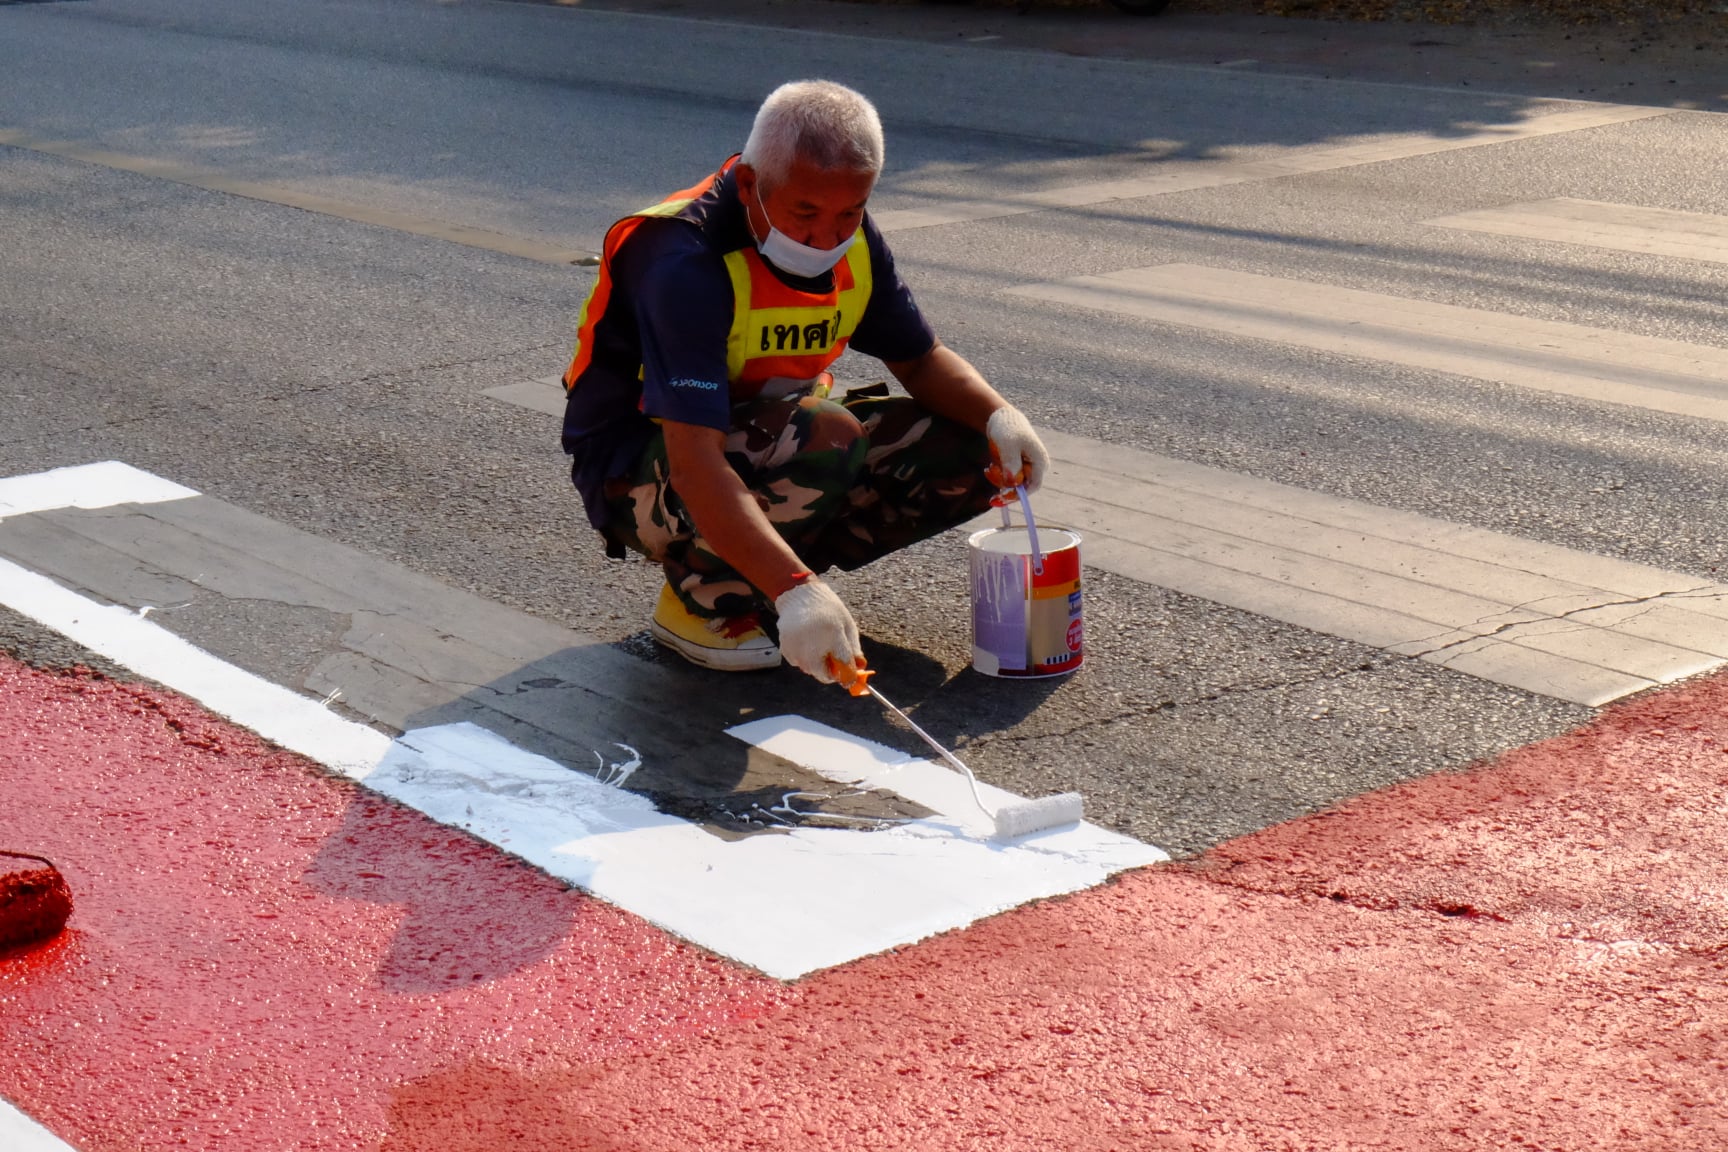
<point>1529,955</point>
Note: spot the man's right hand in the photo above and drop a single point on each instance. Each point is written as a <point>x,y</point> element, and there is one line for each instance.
<point>1017,455</point>
<point>814,627</point>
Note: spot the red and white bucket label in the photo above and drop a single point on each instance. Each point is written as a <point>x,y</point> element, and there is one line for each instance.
<point>1025,623</point>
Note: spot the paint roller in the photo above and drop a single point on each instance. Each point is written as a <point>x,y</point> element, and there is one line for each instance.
<point>1012,821</point>
<point>34,899</point>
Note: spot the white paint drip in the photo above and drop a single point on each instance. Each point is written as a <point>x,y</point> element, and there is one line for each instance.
<point>19,1133</point>
<point>615,775</point>
<point>999,578</point>
<point>789,809</point>
<point>787,903</point>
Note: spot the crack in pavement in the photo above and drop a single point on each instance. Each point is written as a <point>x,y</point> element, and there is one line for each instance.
<point>1650,603</point>
<point>1312,888</point>
<point>1453,909</point>
<point>100,426</point>
<point>1526,606</point>
<point>435,366</point>
<point>1156,707</point>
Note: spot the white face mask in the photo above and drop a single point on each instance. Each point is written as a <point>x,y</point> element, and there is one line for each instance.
<point>798,259</point>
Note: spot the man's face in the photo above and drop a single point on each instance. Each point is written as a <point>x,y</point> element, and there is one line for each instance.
<point>812,205</point>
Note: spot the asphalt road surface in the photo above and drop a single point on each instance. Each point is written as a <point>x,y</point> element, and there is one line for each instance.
<point>280,253</point>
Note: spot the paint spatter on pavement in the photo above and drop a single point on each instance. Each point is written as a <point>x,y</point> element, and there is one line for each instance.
<point>264,956</point>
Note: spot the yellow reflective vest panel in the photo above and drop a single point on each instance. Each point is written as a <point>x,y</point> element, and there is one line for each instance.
<point>778,331</point>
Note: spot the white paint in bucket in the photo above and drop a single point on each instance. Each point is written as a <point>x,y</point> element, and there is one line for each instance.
<point>1024,623</point>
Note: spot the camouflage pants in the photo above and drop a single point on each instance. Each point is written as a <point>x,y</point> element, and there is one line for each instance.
<point>844,483</point>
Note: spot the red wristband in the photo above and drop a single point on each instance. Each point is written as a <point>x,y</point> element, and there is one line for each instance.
<point>794,580</point>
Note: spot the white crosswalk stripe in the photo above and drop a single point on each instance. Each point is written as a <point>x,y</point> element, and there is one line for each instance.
<point>1218,173</point>
<point>1551,620</point>
<point>1546,355</point>
<point>1621,227</point>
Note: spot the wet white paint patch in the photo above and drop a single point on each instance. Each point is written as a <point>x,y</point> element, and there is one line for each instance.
<point>19,1133</point>
<point>787,902</point>
<point>848,759</point>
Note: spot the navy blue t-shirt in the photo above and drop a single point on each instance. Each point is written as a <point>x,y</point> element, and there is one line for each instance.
<point>668,318</point>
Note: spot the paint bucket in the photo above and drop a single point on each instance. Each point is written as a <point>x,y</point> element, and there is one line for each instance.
<point>1025,623</point>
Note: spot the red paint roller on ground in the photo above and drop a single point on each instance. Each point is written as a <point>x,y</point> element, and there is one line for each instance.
<point>263,957</point>
<point>34,899</point>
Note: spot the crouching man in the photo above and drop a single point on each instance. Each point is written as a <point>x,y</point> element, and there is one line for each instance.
<point>699,415</point>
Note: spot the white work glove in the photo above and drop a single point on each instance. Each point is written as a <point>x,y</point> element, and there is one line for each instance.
<point>815,625</point>
<point>1017,456</point>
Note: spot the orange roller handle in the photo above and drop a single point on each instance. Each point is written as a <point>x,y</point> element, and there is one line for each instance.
<point>856,680</point>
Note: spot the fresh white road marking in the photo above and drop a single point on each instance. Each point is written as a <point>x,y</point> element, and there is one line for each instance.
<point>1188,176</point>
<point>1546,619</point>
<point>786,903</point>
<point>1621,227</point>
<point>1546,355</point>
<point>846,759</point>
<point>19,1133</point>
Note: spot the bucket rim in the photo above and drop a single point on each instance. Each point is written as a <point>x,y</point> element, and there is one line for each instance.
<point>1074,539</point>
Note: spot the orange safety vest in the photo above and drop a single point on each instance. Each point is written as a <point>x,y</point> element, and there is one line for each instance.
<point>777,330</point>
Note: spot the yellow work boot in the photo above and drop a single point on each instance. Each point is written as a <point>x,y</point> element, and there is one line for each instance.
<point>725,644</point>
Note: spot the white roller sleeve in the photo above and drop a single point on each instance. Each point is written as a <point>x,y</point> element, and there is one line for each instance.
<point>814,625</point>
<point>1018,449</point>
<point>1040,815</point>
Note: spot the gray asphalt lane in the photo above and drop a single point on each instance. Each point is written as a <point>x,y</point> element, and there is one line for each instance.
<point>329,374</point>
<point>550,121</point>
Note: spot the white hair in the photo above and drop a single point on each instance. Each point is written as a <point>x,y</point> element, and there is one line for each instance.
<point>824,124</point>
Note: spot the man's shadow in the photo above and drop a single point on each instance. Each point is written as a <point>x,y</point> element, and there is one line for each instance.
<point>470,914</point>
